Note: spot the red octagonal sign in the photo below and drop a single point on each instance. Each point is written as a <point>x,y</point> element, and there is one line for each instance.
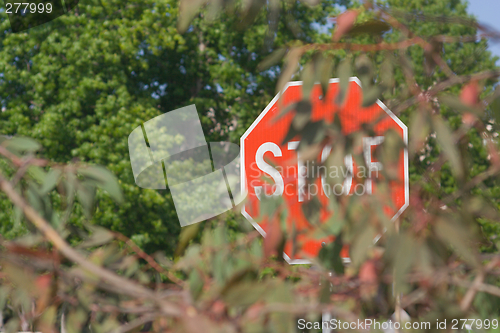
<point>263,157</point>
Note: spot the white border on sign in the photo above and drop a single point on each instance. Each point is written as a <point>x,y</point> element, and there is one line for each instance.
<point>266,110</point>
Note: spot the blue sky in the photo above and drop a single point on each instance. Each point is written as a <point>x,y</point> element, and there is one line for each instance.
<point>487,12</point>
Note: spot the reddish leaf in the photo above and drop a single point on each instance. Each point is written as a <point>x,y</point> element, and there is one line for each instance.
<point>345,22</point>
<point>254,311</point>
<point>368,279</point>
<point>218,308</point>
<point>469,118</point>
<point>368,272</point>
<point>43,281</point>
<point>470,94</point>
<point>44,290</point>
<point>273,238</point>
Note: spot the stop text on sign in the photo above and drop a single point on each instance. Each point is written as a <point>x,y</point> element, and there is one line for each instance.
<point>272,167</point>
<point>301,171</point>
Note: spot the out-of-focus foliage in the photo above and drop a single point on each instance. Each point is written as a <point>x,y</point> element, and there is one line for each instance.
<point>81,83</point>
<point>426,60</point>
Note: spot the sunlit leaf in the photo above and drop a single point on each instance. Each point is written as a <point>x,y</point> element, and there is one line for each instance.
<point>447,143</point>
<point>291,64</point>
<point>372,27</point>
<point>419,130</point>
<point>187,11</point>
<point>250,12</point>
<point>274,58</point>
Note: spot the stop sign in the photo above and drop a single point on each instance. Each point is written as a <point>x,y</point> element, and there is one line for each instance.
<point>263,156</point>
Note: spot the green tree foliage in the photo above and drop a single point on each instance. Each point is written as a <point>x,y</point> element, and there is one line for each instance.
<point>423,58</point>
<point>82,83</point>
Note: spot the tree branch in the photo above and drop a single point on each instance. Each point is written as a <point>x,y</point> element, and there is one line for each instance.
<point>124,285</point>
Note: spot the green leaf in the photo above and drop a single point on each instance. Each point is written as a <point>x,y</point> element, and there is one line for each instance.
<point>107,180</point>
<point>495,109</point>
<point>281,322</point>
<point>4,293</point>
<point>419,129</point>
<point>195,283</point>
<point>312,133</point>
<point>20,144</point>
<point>244,274</point>
<point>447,143</point>
<point>75,320</point>
<point>361,245</point>
<point>430,63</point>
<point>290,134</point>
<point>329,255</point>
<point>12,325</point>
<point>37,173</point>
<point>274,58</point>
<point>284,111</point>
<point>389,154</point>
<point>302,115</point>
<point>250,13</point>
<point>18,215</point>
<point>335,161</point>
<point>311,210</point>
<point>130,265</point>
<point>19,277</point>
<point>187,11</point>
<point>308,79</point>
<point>456,104</point>
<point>365,70</point>
<point>50,180</point>
<point>247,292</point>
<point>405,256</point>
<point>269,205</point>
<point>335,223</point>
<point>424,259</point>
<point>49,315</point>
<point>456,235</point>
<point>86,195</point>
<point>99,236</point>
<point>371,95</point>
<point>324,294</point>
<point>344,73</point>
<point>35,199</point>
<point>187,234</point>
<point>372,27</point>
<point>291,65</point>
<point>325,73</point>
<point>387,72</point>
